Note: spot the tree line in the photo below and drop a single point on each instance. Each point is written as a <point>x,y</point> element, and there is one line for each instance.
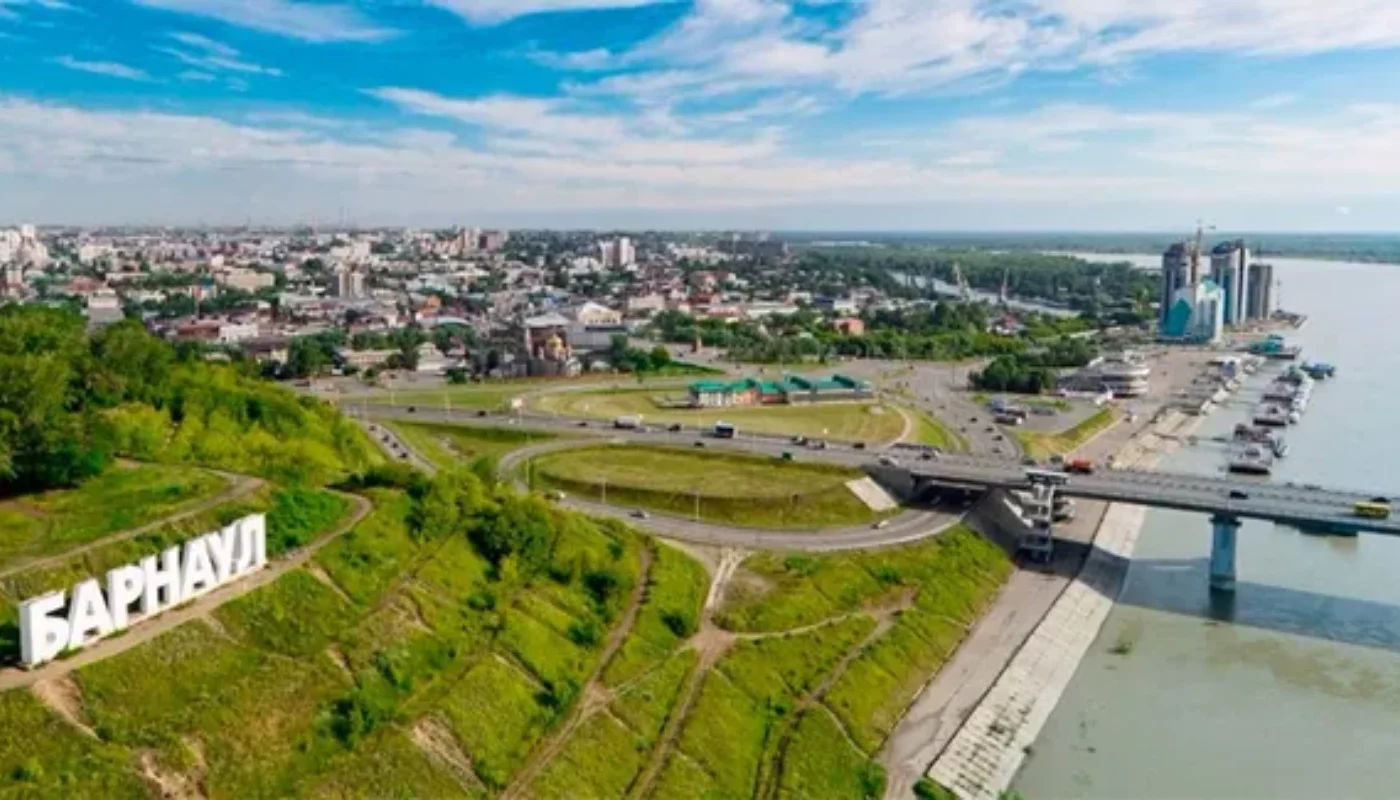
<point>70,402</point>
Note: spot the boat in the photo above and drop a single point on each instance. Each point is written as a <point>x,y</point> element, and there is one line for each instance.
<point>1319,371</point>
<point>1294,418</point>
<point>1245,433</point>
<point>1275,348</point>
<point>1271,416</point>
<point>1251,459</point>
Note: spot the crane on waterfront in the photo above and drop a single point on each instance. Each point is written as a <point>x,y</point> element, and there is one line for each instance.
<point>958,278</point>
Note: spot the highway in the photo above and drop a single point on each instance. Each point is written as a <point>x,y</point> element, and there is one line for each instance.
<point>1289,504</point>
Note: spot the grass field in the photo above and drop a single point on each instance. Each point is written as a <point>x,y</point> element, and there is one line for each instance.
<point>497,395</point>
<point>121,498</point>
<point>1044,445</point>
<point>448,446</point>
<point>934,433</point>
<point>731,489</point>
<point>864,421</point>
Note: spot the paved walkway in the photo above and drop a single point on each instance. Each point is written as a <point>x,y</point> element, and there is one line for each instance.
<point>983,757</point>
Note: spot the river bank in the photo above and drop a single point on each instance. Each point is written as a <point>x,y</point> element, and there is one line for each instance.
<point>976,719</point>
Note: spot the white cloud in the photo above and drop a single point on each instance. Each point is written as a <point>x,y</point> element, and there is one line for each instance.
<point>899,46</point>
<point>492,11</point>
<point>312,22</point>
<point>109,68</point>
<point>1276,100</point>
<point>207,54</point>
<point>290,164</point>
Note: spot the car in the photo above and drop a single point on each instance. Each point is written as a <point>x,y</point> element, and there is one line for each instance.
<point>1028,461</point>
<point>973,420</point>
<point>820,444</point>
<point>555,495</point>
<point>859,445</point>
<point>583,423</point>
<point>412,409</point>
<point>699,443</point>
<point>787,455</point>
<point>1385,501</point>
<point>640,514</point>
<point>481,413</point>
<point>1236,494</point>
<point>927,456</point>
<point>675,428</point>
<point>999,438</point>
<point>881,525</point>
<point>799,440</point>
<point>991,429</point>
<point>886,461</point>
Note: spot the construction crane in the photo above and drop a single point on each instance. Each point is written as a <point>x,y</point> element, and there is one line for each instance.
<point>1005,296</point>
<point>1196,247</point>
<point>958,278</point>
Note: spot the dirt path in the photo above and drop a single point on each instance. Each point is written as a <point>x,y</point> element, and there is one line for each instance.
<point>768,784</point>
<point>143,632</point>
<point>239,485</point>
<point>594,696</point>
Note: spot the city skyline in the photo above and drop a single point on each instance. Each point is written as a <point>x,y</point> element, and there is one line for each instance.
<point>748,114</point>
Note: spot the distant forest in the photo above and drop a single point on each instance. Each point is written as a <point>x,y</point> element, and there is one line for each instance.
<point>1376,248</point>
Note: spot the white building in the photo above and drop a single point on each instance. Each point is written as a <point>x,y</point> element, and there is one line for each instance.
<point>91,252</point>
<point>591,313</point>
<point>348,284</point>
<point>23,247</point>
<point>245,279</point>
<point>618,253</point>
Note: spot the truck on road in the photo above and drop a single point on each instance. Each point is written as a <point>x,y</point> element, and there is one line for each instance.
<point>1079,466</point>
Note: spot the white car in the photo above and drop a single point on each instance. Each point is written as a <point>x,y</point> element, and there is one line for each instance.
<point>881,525</point>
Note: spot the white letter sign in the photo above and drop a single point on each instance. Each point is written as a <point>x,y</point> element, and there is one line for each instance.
<point>47,626</point>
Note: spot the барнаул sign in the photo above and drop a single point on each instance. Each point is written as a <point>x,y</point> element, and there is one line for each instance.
<point>156,583</point>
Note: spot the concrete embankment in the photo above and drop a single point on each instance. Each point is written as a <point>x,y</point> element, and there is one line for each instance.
<point>984,755</point>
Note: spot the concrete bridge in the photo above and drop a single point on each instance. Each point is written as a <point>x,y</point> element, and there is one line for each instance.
<point>1227,500</point>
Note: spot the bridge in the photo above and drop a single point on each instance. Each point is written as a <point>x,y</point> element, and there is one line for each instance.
<point>1227,500</point>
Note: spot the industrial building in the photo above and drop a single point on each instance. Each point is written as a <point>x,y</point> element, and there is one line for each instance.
<point>1122,375</point>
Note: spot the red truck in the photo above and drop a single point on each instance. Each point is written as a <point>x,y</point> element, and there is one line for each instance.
<point>1079,466</point>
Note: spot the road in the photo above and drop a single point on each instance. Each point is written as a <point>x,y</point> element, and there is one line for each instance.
<point>910,526</point>
<point>1285,503</point>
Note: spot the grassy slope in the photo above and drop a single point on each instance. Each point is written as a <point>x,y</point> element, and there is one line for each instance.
<point>294,516</point>
<point>448,446</point>
<point>1044,445</point>
<point>866,421</point>
<point>732,489</point>
<point>307,689</point>
<point>121,498</point>
<point>930,431</point>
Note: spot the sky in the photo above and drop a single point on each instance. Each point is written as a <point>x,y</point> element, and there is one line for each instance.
<point>883,115</point>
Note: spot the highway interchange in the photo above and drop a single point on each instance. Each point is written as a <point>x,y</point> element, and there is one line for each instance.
<point>1304,506</point>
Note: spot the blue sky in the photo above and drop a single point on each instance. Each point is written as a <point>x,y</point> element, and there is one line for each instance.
<point>788,114</point>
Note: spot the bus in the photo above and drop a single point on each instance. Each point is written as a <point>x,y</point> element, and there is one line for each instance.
<point>1372,509</point>
<point>723,430</point>
<point>1047,476</point>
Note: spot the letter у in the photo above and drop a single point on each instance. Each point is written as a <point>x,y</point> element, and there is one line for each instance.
<point>165,576</point>
<point>221,545</point>
<point>41,636</point>
<point>88,614</point>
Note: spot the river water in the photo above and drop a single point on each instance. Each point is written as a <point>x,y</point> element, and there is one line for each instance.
<point>1292,689</point>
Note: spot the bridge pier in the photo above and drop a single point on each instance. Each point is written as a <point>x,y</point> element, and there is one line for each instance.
<point>1225,530</point>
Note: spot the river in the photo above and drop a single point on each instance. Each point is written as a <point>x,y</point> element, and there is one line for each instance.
<point>1292,689</point>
